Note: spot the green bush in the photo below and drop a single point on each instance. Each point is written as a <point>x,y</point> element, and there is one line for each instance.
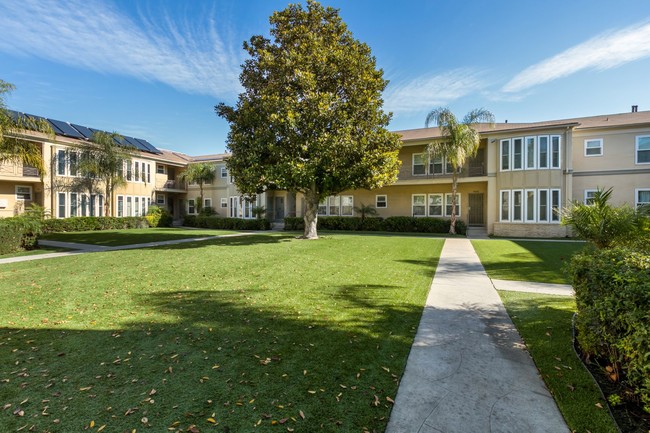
<point>213,222</point>
<point>11,235</point>
<point>81,224</point>
<point>159,217</point>
<point>21,232</point>
<point>613,298</point>
<point>401,224</point>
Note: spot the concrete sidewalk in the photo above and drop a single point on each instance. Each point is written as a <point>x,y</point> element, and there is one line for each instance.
<point>468,370</point>
<point>532,287</point>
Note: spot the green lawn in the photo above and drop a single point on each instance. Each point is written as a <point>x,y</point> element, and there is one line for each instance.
<point>112,238</point>
<point>544,321</point>
<point>255,333</point>
<point>526,260</point>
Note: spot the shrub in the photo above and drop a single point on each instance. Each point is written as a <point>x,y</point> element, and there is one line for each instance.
<point>613,298</point>
<point>80,224</point>
<point>207,211</point>
<point>213,222</point>
<point>10,236</point>
<point>402,224</point>
<point>159,217</point>
<point>21,232</point>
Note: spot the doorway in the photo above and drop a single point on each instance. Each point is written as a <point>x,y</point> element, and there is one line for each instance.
<point>279,209</point>
<point>475,215</point>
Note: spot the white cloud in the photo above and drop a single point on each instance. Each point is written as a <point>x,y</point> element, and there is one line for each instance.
<point>604,51</point>
<point>426,92</point>
<point>96,36</point>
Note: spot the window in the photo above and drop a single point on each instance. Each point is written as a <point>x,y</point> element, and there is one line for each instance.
<point>542,205</point>
<point>381,201</point>
<point>531,153</point>
<point>84,205</point>
<point>517,153</point>
<point>148,173</point>
<point>23,192</point>
<point>418,205</point>
<point>530,205</point>
<point>73,159</point>
<point>555,205</point>
<point>61,205</point>
<point>590,194</point>
<point>74,204</point>
<point>322,207</point>
<point>60,162</point>
<point>435,205</point>
<point>594,147</point>
<point>100,202</point>
<point>555,151</point>
<point>93,202</point>
<point>419,167</point>
<point>347,205</point>
<point>120,206</point>
<point>143,205</point>
<point>136,205</point>
<point>643,149</point>
<point>517,205</point>
<point>505,155</point>
<point>160,169</point>
<point>542,151</point>
<point>448,204</point>
<point>642,197</point>
<point>235,209</point>
<point>436,165</point>
<point>160,199</point>
<point>224,202</point>
<point>129,170</point>
<point>224,172</point>
<point>505,206</point>
<point>129,206</point>
<point>334,205</point>
<point>190,206</point>
<point>137,171</point>
<point>207,202</point>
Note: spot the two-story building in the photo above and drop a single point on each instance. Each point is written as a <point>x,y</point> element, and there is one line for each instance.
<point>516,185</point>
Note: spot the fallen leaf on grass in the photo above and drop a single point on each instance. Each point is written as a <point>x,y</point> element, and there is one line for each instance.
<point>390,400</point>
<point>302,414</point>
<point>211,420</point>
<point>599,406</point>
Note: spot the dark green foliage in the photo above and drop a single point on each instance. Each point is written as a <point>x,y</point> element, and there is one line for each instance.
<point>10,236</point>
<point>21,232</point>
<point>80,224</point>
<point>401,224</point>
<point>613,298</point>
<point>159,217</point>
<point>207,211</point>
<point>212,222</point>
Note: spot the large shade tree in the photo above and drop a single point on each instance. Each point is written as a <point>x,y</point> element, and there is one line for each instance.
<point>14,148</point>
<point>103,159</point>
<point>459,141</point>
<point>310,119</point>
<point>199,173</point>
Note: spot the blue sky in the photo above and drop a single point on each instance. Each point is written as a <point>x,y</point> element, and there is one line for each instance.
<point>155,69</point>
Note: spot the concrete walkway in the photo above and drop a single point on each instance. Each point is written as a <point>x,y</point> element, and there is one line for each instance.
<point>468,370</point>
<point>529,286</point>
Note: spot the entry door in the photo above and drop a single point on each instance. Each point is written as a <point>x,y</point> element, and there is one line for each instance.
<point>279,208</point>
<point>475,217</point>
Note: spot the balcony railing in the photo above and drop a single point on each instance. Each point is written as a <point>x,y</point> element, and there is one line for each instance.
<point>30,171</point>
<point>173,184</point>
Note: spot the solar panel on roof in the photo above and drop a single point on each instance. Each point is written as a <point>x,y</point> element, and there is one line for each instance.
<point>86,132</point>
<point>132,141</point>
<point>65,128</point>
<point>148,145</point>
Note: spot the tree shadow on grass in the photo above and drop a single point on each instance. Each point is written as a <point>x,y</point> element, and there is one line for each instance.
<point>237,356</point>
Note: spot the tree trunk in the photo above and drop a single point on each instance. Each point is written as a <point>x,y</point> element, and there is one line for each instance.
<point>108,200</point>
<point>454,187</point>
<point>311,215</point>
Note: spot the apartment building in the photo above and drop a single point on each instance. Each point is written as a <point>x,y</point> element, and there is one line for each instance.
<point>521,177</point>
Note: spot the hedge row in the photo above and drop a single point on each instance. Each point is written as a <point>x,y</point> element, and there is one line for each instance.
<point>402,224</point>
<point>613,298</point>
<point>215,222</point>
<point>81,224</point>
<point>21,232</point>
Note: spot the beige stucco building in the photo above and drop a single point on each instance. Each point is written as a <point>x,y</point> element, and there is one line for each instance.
<point>523,174</point>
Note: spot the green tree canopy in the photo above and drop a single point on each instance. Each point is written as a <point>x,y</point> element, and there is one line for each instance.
<point>460,141</point>
<point>201,173</point>
<point>14,148</point>
<point>310,119</point>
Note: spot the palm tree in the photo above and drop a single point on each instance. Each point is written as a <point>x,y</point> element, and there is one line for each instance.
<point>365,210</point>
<point>460,141</point>
<point>104,159</point>
<point>200,172</point>
<point>12,148</point>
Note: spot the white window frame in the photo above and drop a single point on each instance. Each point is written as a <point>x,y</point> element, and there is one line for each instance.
<point>424,164</point>
<point>423,205</point>
<point>61,202</point>
<point>522,213</point>
<point>552,151</point>
<point>447,202</point>
<point>543,217</point>
<point>224,172</point>
<point>599,147</point>
<point>160,199</point>
<point>543,163</point>
<point>507,143</point>
<point>381,204</point>
<point>441,199</point>
<point>19,194</point>
<point>191,206</point>
<point>159,167</point>
<point>555,208</point>
<point>507,194</point>
<point>521,154</point>
<point>637,150</point>
<point>224,202</point>
<point>440,161</point>
<point>344,208</point>
<point>530,164</point>
<point>207,202</point>
<point>61,162</point>
<point>119,206</point>
<point>527,205</point>
<point>586,195</point>
<point>638,203</point>
<point>129,206</point>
